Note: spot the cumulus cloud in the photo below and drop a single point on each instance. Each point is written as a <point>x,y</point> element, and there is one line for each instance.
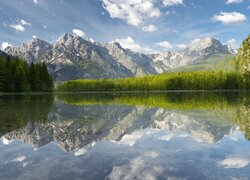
<point>5,45</point>
<point>19,25</point>
<point>92,40</point>
<point>149,28</point>
<point>34,36</point>
<point>197,40</point>
<point>20,159</point>
<point>172,2</point>
<point>230,17</point>
<point>137,168</point>
<point>234,1</point>
<point>152,154</point>
<point>80,152</point>
<point>165,45</point>
<point>235,163</point>
<point>5,141</point>
<point>181,46</point>
<point>134,12</point>
<point>233,43</point>
<point>35,1</point>
<point>130,43</point>
<point>80,33</point>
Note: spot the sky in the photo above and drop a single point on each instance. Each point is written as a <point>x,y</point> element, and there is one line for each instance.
<point>141,25</point>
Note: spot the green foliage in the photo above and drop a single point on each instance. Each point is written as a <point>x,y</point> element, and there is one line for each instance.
<point>16,111</point>
<point>219,62</point>
<point>216,108</point>
<point>243,57</point>
<point>17,76</point>
<point>170,81</point>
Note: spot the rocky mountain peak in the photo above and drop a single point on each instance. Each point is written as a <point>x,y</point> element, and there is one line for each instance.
<point>65,38</point>
<point>113,46</point>
<point>95,60</point>
<point>207,43</point>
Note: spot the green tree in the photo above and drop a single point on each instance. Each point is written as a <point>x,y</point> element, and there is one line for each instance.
<point>20,80</point>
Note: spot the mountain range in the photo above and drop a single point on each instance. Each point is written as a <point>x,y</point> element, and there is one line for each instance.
<point>72,57</point>
<point>73,127</point>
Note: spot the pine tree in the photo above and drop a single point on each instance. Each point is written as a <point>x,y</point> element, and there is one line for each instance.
<point>2,75</point>
<point>33,77</point>
<point>20,79</point>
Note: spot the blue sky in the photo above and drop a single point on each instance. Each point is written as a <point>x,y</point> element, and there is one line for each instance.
<point>142,25</point>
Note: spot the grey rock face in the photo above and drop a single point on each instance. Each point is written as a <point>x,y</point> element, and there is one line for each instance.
<point>73,57</point>
<point>96,123</point>
<point>31,51</point>
<point>202,48</point>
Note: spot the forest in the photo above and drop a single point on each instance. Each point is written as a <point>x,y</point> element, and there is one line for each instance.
<point>236,79</point>
<point>17,76</point>
<point>202,80</point>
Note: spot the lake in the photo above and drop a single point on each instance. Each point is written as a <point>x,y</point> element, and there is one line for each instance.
<point>125,136</point>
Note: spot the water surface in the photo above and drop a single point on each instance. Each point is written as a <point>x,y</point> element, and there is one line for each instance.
<point>125,136</point>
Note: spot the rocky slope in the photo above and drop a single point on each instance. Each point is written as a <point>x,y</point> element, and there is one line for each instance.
<point>72,57</point>
<point>73,127</point>
<point>200,49</point>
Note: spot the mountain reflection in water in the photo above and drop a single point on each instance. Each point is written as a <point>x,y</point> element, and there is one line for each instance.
<point>125,136</point>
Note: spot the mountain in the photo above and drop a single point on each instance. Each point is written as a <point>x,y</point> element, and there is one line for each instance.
<point>111,123</point>
<point>72,57</point>
<point>200,49</point>
<point>3,54</point>
<point>30,51</point>
<point>219,61</point>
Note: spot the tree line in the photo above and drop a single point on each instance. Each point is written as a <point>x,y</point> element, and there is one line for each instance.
<point>202,80</point>
<point>17,76</point>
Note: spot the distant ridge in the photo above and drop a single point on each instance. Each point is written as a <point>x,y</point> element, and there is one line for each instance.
<point>72,57</point>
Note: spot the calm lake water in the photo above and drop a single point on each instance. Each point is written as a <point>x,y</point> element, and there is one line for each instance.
<point>125,136</point>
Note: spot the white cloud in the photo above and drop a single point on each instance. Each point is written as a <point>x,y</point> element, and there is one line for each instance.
<point>34,36</point>
<point>233,43</point>
<point>149,28</point>
<point>132,139</point>
<point>20,159</point>
<point>5,141</point>
<point>23,22</point>
<point>35,1</point>
<point>181,46</point>
<point>92,40</point>
<point>129,43</point>
<point>230,17</point>
<point>197,40</point>
<point>137,168</point>
<point>234,1</point>
<point>19,25</point>
<point>172,2</point>
<point>166,137</point>
<point>133,11</point>
<point>3,46</point>
<point>152,154</point>
<point>80,33</point>
<point>236,163</point>
<point>165,45</point>
<point>80,152</point>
